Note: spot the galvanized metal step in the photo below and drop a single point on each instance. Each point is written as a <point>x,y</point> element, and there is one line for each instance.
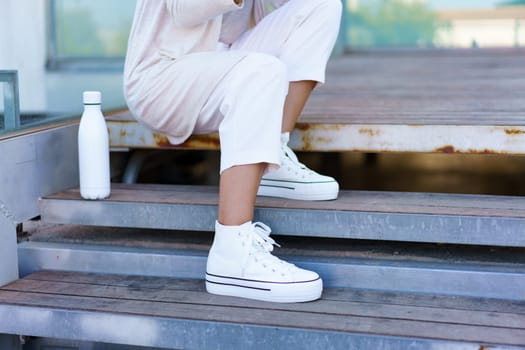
<point>455,275</point>
<point>179,314</point>
<point>391,216</point>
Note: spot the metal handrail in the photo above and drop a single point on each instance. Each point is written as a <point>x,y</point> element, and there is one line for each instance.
<point>11,99</point>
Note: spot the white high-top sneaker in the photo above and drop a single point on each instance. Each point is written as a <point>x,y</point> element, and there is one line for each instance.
<point>294,180</point>
<point>240,264</point>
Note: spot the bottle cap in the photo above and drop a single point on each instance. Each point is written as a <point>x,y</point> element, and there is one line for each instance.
<point>92,97</point>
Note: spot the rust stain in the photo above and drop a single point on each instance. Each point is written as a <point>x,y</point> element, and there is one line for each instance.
<point>306,142</point>
<point>309,139</point>
<point>161,140</point>
<point>329,127</point>
<point>121,112</point>
<point>446,149</point>
<point>511,131</point>
<point>370,132</point>
<point>484,151</point>
<point>209,141</point>
<point>451,149</point>
<point>311,142</point>
<point>302,127</point>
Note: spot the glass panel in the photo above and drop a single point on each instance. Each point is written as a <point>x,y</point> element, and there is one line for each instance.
<point>435,23</point>
<point>10,117</point>
<point>86,44</point>
<point>91,28</point>
<point>2,111</point>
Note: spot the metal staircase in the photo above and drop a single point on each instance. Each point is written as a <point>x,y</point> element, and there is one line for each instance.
<point>154,296</point>
<point>401,270</point>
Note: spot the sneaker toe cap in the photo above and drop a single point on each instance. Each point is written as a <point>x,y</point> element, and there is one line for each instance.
<point>302,275</point>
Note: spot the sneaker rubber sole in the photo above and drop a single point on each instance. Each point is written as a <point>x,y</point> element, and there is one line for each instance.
<point>279,292</point>
<point>308,191</point>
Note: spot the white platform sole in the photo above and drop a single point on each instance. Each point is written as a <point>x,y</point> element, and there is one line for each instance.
<point>279,292</point>
<point>308,191</point>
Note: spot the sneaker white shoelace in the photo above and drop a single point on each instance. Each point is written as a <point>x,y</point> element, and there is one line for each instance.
<point>292,164</point>
<point>263,246</point>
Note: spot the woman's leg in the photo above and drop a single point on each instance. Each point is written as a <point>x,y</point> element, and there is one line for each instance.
<point>246,107</point>
<point>237,190</point>
<point>298,94</point>
<point>250,102</point>
<point>301,34</point>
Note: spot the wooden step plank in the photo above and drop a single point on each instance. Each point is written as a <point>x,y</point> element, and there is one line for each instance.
<point>366,201</point>
<point>332,294</point>
<point>326,307</point>
<point>114,280</point>
<point>442,102</point>
<point>448,89</point>
<point>401,102</point>
<point>261,317</point>
<point>332,109</point>
<point>413,102</point>
<point>426,300</point>
<point>412,217</point>
<point>410,84</point>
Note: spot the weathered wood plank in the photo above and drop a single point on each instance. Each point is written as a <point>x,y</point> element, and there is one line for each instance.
<point>335,294</point>
<point>479,87</point>
<point>113,280</point>
<point>426,300</point>
<point>469,102</point>
<point>366,201</point>
<point>397,217</point>
<point>366,325</point>
<point>325,307</point>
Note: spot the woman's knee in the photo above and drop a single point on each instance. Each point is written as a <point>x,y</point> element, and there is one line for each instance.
<point>265,68</point>
<point>262,62</point>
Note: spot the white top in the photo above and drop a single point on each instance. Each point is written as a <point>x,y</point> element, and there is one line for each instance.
<point>163,32</point>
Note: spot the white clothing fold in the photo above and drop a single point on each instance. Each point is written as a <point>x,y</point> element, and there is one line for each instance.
<point>177,83</point>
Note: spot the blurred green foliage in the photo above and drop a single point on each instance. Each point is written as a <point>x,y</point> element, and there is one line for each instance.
<point>512,3</point>
<point>76,34</point>
<point>99,28</point>
<point>392,23</point>
<point>91,28</point>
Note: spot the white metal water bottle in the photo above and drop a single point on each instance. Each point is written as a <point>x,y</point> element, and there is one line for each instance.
<point>93,149</point>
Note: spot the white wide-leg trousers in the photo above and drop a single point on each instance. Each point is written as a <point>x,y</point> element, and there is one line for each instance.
<point>292,43</point>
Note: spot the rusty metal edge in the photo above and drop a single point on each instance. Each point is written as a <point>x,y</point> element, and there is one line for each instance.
<point>458,139</point>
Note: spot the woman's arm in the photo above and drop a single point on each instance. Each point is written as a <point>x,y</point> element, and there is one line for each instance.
<point>194,12</point>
